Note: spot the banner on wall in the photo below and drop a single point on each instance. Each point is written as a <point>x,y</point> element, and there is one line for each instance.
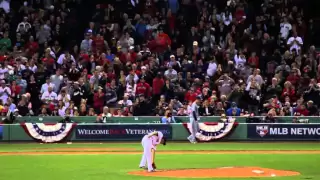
<point>48,133</point>
<point>284,131</point>
<point>1,132</point>
<point>213,131</point>
<point>125,132</point>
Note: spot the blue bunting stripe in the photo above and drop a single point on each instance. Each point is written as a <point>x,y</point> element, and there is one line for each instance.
<point>48,133</point>
<point>213,131</point>
<point>44,133</point>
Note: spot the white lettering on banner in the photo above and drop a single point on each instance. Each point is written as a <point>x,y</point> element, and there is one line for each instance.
<point>305,131</point>
<point>278,131</point>
<point>92,132</point>
<point>139,131</point>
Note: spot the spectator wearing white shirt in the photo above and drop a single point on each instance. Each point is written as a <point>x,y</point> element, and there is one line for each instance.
<point>20,66</point>
<point>22,25</point>
<point>49,95</point>
<point>173,62</point>
<point>171,74</point>
<point>240,60</point>
<point>3,70</point>
<point>102,118</point>
<point>285,28</point>
<point>63,96</point>
<point>86,44</point>
<point>32,66</point>
<point>46,86</point>
<point>5,92</point>
<point>61,108</point>
<point>212,68</point>
<point>66,56</point>
<point>133,76</point>
<point>152,25</point>
<point>126,102</point>
<point>57,80</point>
<point>5,5</point>
<point>129,39</point>
<point>256,76</point>
<point>226,18</point>
<point>11,105</point>
<point>9,67</point>
<point>94,80</point>
<point>131,88</point>
<point>295,42</point>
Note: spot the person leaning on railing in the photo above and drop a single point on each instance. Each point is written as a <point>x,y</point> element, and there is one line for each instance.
<point>168,118</point>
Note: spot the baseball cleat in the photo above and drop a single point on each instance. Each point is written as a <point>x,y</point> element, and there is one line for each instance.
<point>189,139</point>
<point>154,166</point>
<point>142,167</point>
<point>152,170</point>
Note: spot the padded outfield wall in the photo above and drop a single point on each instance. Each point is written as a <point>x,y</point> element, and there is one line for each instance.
<point>229,131</point>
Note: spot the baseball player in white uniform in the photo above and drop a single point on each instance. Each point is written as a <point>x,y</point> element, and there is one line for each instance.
<point>194,118</point>
<point>149,143</point>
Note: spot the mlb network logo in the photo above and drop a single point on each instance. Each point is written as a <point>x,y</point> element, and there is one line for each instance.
<point>262,130</point>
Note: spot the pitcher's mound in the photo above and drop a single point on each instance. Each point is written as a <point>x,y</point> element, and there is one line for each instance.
<point>224,172</point>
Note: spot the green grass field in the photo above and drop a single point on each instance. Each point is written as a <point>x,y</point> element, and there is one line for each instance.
<point>116,166</point>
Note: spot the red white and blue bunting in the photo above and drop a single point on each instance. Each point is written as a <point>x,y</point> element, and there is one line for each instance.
<point>213,131</point>
<point>48,133</point>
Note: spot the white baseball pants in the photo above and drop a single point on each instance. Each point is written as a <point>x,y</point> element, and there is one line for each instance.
<point>147,144</point>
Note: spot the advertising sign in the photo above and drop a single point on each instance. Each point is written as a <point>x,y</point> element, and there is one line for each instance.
<point>124,132</point>
<point>284,131</point>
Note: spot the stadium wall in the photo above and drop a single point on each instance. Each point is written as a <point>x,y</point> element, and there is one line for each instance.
<point>175,132</point>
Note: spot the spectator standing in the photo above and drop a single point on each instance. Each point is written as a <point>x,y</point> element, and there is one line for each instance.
<point>5,92</point>
<point>56,80</point>
<point>295,43</point>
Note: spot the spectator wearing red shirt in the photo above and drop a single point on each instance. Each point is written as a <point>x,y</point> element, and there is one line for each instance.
<point>293,77</point>
<point>191,95</point>
<point>99,44</point>
<point>15,90</point>
<point>240,14</point>
<point>98,100</point>
<point>157,85</point>
<point>3,58</point>
<point>110,74</point>
<point>302,110</point>
<point>131,56</point>
<point>254,60</point>
<point>122,57</point>
<point>143,88</point>
<point>171,20</point>
<point>32,46</point>
<point>135,70</point>
<point>161,42</point>
<point>48,61</point>
<point>288,90</point>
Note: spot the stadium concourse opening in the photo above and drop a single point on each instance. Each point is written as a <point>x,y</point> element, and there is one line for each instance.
<point>222,172</point>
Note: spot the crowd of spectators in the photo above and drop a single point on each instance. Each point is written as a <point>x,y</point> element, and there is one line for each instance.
<point>154,57</point>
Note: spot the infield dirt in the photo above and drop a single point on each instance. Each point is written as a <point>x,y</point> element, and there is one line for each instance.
<point>223,172</point>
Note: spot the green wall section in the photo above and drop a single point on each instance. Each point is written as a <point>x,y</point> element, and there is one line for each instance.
<point>14,132</point>
<point>153,119</point>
